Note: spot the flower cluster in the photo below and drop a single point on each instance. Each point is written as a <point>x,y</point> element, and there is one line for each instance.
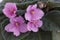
<point>33,15</point>
<point>17,24</point>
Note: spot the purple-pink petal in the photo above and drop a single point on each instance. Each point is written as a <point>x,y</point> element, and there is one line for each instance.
<point>16,32</point>
<point>17,19</point>
<point>39,23</point>
<point>37,15</point>
<point>11,5</point>
<point>23,28</point>
<point>8,14</point>
<point>29,26</point>
<point>30,7</point>
<point>34,6</point>
<point>11,28</point>
<point>32,27</point>
<point>28,16</point>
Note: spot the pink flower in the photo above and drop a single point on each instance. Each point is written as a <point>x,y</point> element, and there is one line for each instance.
<point>10,10</point>
<point>34,25</point>
<point>33,13</point>
<point>16,26</point>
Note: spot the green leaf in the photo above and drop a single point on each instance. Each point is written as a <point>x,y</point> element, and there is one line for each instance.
<point>22,5</point>
<point>12,0</point>
<point>1,38</point>
<point>22,0</point>
<point>21,12</point>
<point>56,1</point>
<point>40,35</point>
<point>53,4</point>
<point>10,36</point>
<point>51,21</point>
<point>33,36</point>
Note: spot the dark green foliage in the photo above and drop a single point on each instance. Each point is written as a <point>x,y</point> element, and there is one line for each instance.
<point>52,21</point>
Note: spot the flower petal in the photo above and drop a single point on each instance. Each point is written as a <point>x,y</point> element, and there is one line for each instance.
<point>28,8</point>
<point>39,23</point>
<point>32,27</point>
<point>29,26</point>
<point>12,28</point>
<point>16,32</point>
<point>38,14</point>
<point>28,16</point>
<point>7,13</point>
<point>17,19</point>
<point>23,28</point>
<point>9,28</point>
<point>34,6</point>
<point>11,5</point>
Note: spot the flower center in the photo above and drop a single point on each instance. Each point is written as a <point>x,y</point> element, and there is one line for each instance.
<point>17,23</point>
<point>32,12</point>
<point>12,10</point>
<point>34,22</point>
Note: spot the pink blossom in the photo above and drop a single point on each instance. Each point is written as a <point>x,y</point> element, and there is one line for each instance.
<point>34,25</point>
<point>16,26</point>
<point>10,10</point>
<point>33,13</point>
